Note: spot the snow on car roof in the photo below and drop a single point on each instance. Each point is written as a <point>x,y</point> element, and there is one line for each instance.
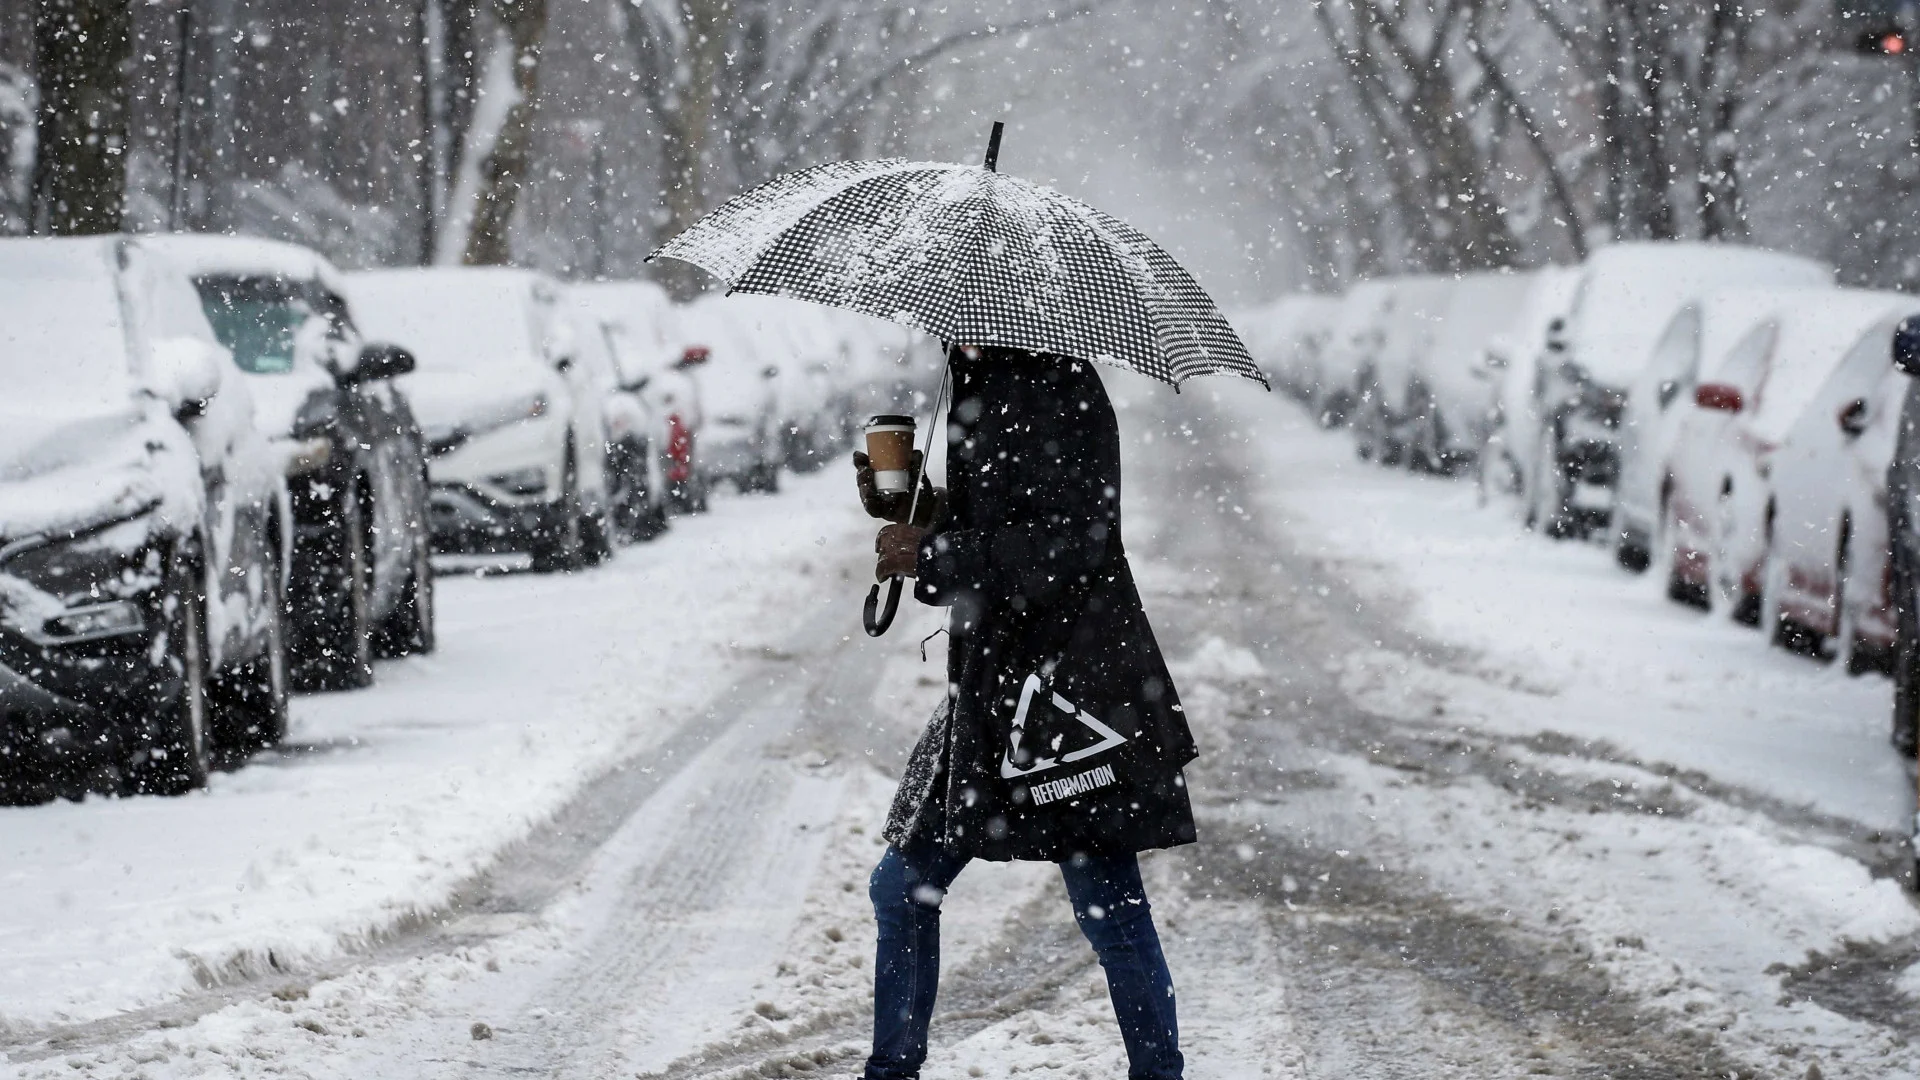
<point>63,337</point>
<point>1816,335</point>
<point>211,255</point>
<point>456,319</point>
<point>1630,292</point>
<point>1479,307</point>
<point>1729,317</point>
<point>1418,308</point>
<point>642,317</point>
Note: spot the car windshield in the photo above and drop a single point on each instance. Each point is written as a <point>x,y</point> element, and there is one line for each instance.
<point>259,319</point>
<point>63,340</point>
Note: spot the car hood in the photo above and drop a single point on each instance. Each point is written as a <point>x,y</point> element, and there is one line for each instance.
<point>64,473</point>
<point>443,401</point>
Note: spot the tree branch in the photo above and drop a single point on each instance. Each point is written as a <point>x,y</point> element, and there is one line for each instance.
<point>865,87</point>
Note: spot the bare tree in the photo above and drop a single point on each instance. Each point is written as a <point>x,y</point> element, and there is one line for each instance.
<point>504,168</point>
<point>81,50</point>
<point>1402,61</point>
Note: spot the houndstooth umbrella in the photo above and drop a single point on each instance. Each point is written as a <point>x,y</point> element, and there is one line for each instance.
<point>969,255</point>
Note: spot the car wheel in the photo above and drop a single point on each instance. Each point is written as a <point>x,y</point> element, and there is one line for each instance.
<point>1547,511</point>
<point>560,545</point>
<point>333,639</point>
<point>249,704</point>
<point>596,534</point>
<point>1679,589</point>
<point>177,754</point>
<point>408,631</point>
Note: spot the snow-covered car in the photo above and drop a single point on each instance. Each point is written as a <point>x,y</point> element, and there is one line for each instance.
<point>636,481</point>
<point>1384,410</point>
<point>1513,359</point>
<point>1287,339</point>
<point>809,353</point>
<point>642,326</point>
<point>516,428</point>
<point>142,524</point>
<point>740,439</point>
<point>361,581</point>
<point>1627,296</point>
<point>1829,573</point>
<point>1450,395</point>
<point>1702,337</point>
<point>1719,473</point>
<point>1352,344</point>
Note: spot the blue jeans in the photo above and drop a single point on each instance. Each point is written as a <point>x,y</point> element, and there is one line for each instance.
<point>1109,903</point>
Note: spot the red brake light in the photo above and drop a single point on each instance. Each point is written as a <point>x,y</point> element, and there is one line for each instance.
<point>1719,396</point>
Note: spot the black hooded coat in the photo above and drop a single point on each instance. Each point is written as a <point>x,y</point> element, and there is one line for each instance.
<point>1061,732</point>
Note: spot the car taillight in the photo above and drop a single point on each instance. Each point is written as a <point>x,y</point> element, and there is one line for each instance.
<point>679,450</point>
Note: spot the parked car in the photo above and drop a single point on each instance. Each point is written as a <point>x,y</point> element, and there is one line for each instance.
<point>1287,339</point>
<point>1903,526</point>
<point>1829,574</point>
<point>142,525</point>
<point>1450,394</point>
<point>1514,358</point>
<point>1390,402</point>
<point>1358,329</point>
<point>636,481</point>
<point>1703,337</point>
<point>809,354</point>
<point>361,581</point>
<point>740,441</point>
<point>1627,296</point>
<point>1718,512</point>
<point>516,428</point>
<point>643,329</point>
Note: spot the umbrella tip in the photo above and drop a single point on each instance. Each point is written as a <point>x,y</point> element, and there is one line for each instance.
<point>993,146</point>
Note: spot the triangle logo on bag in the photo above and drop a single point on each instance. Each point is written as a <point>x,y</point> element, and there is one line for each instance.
<point>1109,738</point>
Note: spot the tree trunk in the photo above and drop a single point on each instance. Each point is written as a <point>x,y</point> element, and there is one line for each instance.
<point>505,170</point>
<point>81,50</point>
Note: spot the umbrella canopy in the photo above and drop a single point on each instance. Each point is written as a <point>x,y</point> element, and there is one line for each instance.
<point>971,256</point>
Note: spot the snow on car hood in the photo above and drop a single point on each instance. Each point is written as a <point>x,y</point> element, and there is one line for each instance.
<point>64,472</point>
<point>444,400</point>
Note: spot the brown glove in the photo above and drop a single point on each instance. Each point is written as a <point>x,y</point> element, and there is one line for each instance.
<point>893,505</point>
<point>899,549</point>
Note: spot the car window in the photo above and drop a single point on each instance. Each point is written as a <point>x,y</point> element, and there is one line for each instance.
<point>259,319</point>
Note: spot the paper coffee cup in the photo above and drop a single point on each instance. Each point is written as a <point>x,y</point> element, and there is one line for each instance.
<point>890,450</point>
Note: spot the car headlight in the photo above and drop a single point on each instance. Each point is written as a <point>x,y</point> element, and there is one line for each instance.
<point>94,622</point>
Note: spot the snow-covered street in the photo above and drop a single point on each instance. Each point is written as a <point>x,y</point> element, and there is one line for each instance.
<point>1472,805</point>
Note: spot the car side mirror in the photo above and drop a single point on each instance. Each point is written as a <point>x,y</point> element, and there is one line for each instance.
<point>1906,345</point>
<point>379,361</point>
<point>1719,397</point>
<point>1853,418</point>
<point>563,364</point>
<point>184,372</point>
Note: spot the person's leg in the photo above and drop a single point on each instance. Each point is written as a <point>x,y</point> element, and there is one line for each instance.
<point>906,889</point>
<point>1110,904</point>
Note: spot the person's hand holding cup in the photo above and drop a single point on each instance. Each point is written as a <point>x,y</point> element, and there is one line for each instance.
<point>887,472</point>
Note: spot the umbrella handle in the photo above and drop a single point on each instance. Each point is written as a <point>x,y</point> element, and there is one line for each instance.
<point>876,620</point>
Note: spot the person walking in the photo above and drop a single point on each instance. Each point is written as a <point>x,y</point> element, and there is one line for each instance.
<point>1061,737</point>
